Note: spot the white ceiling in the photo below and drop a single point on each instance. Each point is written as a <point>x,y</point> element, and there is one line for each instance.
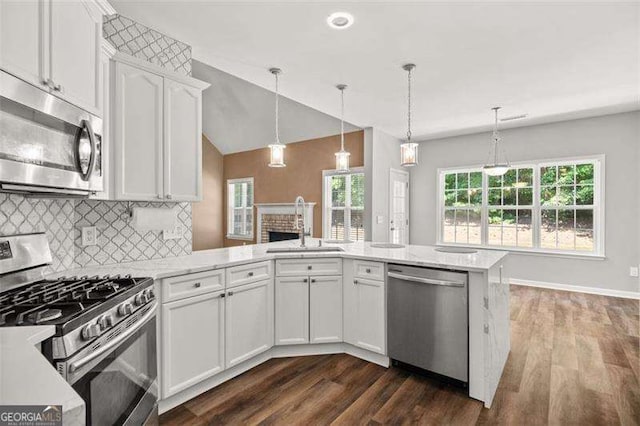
<point>549,60</point>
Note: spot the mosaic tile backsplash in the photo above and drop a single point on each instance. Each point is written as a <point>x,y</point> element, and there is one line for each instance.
<point>62,221</point>
<point>120,242</point>
<point>21,215</point>
<point>135,39</point>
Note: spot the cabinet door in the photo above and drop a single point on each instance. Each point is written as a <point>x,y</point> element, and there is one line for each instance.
<point>137,136</point>
<point>325,316</point>
<point>75,40</point>
<point>182,142</point>
<point>192,341</point>
<point>364,314</point>
<point>292,310</point>
<point>21,40</point>
<point>249,321</point>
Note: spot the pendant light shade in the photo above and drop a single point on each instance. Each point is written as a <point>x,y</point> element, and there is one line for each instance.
<point>342,156</point>
<point>409,150</point>
<point>496,166</point>
<point>277,148</point>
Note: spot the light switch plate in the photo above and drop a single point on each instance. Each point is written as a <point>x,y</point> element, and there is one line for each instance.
<point>379,219</point>
<point>633,271</point>
<point>173,234</point>
<point>89,236</point>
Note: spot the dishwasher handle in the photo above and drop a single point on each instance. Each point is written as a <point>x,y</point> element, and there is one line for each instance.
<point>444,283</point>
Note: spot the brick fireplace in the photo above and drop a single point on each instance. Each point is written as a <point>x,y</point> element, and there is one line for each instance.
<point>279,218</point>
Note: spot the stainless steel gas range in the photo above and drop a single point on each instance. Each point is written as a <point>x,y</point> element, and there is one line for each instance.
<point>105,340</point>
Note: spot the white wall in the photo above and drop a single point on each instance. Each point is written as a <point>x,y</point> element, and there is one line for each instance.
<point>616,136</point>
<point>381,153</point>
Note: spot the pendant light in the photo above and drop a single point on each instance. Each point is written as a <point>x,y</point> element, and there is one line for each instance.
<point>494,166</point>
<point>409,150</point>
<point>277,148</point>
<point>342,156</point>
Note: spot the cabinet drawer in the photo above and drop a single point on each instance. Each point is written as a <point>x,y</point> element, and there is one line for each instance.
<point>370,270</point>
<point>251,273</point>
<point>300,267</point>
<point>176,288</point>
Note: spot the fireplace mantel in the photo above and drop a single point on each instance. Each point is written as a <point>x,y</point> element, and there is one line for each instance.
<point>280,208</point>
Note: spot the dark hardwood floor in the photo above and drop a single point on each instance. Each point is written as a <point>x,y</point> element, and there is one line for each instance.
<point>575,359</point>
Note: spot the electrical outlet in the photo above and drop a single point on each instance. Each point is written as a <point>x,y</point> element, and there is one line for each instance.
<point>89,236</point>
<point>173,234</point>
<point>633,271</point>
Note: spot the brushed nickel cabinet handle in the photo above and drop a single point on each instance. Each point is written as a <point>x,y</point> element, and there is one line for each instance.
<point>368,270</point>
<point>309,267</point>
<point>250,274</point>
<point>197,285</point>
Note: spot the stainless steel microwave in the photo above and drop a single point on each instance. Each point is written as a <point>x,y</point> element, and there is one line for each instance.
<point>47,145</point>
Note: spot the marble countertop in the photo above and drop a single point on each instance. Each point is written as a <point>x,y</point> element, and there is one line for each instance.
<point>230,256</point>
<point>27,378</point>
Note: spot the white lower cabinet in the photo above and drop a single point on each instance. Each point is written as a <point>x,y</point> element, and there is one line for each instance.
<point>292,310</point>
<point>364,311</point>
<point>325,309</point>
<point>249,321</point>
<point>308,309</point>
<point>193,336</point>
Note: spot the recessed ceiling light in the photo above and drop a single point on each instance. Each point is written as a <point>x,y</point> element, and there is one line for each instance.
<point>340,20</point>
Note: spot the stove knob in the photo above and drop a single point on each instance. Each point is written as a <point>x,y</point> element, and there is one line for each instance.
<point>125,309</point>
<point>90,331</point>
<point>105,321</point>
<point>141,299</point>
<point>150,293</point>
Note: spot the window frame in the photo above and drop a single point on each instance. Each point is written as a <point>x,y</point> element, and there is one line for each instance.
<point>326,201</point>
<point>598,207</point>
<point>231,209</point>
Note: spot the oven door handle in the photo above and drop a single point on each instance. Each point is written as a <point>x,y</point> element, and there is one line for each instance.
<point>76,365</point>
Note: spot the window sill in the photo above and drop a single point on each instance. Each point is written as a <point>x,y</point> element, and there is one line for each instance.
<point>544,253</point>
<point>239,237</point>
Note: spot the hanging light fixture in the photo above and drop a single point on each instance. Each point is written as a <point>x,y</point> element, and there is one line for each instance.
<point>494,166</point>
<point>277,148</point>
<point>409,150</point>
<point>342,156</point>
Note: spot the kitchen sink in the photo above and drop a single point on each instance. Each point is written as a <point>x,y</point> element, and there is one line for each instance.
<point>457,250</point>
<point>316,249</point>
<point>387,245</point>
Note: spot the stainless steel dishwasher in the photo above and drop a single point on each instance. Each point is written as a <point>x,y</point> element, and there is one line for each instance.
<point>427,324</point>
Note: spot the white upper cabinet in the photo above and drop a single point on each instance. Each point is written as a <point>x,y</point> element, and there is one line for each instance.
<point>76,36</point>
<point>156,124</point>
<point>55,45</point>
<point>249,321</point>
<point>21,40</point>
<point>138,134</point>
<point>182,142</point>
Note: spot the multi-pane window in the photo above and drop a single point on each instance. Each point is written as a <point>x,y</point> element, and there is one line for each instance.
<point>344,206</point>
<point>546,206</point>
<point>567,206</point>
<point>462,211</point>
<point>510,208</point>
<point>240,208</point>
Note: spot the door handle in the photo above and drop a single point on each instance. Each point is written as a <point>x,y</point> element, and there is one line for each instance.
<point>421,280</point>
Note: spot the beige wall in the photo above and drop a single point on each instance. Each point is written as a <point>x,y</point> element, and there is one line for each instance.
<point>207,215</point>
<point>303,175</point>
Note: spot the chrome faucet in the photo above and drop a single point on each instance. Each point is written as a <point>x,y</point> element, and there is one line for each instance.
<point>303,233</point>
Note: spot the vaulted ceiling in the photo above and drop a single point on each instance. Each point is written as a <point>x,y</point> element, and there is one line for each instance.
<point>550,60</point>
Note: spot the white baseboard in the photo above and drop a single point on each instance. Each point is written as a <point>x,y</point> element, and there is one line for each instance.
<point>577,288</point>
